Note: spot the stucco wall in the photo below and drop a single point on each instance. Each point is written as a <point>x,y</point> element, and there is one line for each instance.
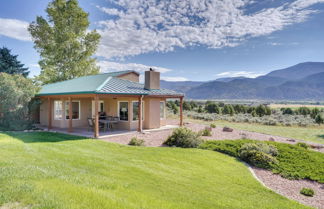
<point>151,113</point>
<point>130,76</point>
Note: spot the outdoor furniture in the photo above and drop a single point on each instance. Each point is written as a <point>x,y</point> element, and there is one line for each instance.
<point>91,125</point>
<point>108,122</point>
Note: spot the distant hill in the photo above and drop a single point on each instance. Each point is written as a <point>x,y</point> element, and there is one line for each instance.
<point>298,71</point>
<point>180,86</point>
<point>228,79</point>
<point>304,81</point>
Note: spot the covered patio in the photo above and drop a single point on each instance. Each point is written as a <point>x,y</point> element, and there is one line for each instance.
<point>110,115</point>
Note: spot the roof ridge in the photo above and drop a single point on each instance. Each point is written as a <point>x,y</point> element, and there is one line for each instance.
<point>104,83</point>
<point>72,79</point>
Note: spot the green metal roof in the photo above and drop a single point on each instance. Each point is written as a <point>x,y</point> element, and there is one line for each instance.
<point>106,83</point>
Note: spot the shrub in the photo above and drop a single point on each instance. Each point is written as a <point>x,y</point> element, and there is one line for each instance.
<point>303,145</point>
<point>136,142</point>
<point>319,119</point>
<point>206,132</point>
<point>213,125</point>
<point>258,154</point>
<point>307,192</point>
<point>183,137</point>
<point>294,162</point>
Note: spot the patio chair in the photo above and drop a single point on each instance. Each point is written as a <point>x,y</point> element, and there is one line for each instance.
<point>91,125</point>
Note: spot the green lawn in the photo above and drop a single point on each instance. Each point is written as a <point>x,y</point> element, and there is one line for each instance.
<point>313,133</point>
<point>46,170</point>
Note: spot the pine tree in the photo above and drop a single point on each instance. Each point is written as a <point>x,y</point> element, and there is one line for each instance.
<point>64,42</point>
<point>9,63</point>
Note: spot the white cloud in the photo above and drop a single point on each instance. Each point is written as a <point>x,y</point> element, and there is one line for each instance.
<point>141,26</point>
<point>16,29</point>
<point>169,78</point>
<point>34,65</point>
<point>107,66</point>
<point>233,74</point>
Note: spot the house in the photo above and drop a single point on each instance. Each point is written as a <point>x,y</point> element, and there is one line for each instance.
<point>119,96</point>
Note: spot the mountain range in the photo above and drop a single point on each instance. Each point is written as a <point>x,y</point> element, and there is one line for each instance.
<point>304,81</point>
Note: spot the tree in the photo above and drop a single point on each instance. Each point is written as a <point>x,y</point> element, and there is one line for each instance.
<point>303,111</point>
<point>212,107</point>
<point>9,63</point>
<point>16,92</point>
<point>64,43</point>
<point>314,112</point>
<point>186,106</point>
<point>319,119</point>
<point>287,111</point>
<point>260,110</point>
<point>228,109</point>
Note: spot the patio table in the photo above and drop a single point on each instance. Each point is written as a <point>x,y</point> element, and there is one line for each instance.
<point>107,123</point>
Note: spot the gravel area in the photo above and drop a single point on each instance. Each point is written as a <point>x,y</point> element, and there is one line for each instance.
<point>291,188</point>
<point>156,138</point>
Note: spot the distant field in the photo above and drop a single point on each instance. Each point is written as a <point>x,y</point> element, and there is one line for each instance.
<point>312,133</point>
<point>294,105</point>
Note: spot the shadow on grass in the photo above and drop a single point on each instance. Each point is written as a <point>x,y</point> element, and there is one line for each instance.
<point>321,136</point>
<point>35,137</point>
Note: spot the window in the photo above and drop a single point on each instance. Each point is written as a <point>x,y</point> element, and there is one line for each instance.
<point>135,110</point>
<point>123,111</point>
<point>162,110</point>
<point>58,110</point>
<point>75,110</point>
<point>101,107</point>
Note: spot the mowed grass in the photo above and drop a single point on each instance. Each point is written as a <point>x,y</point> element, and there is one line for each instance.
<point>312,133</point>
<point>47,170</point>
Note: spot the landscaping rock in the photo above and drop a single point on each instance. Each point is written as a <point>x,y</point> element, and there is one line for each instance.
<point>272,139</point>
<point>291,140</point>
<point>227,129</point>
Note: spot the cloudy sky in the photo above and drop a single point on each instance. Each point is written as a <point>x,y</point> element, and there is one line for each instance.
<point>187,39</point>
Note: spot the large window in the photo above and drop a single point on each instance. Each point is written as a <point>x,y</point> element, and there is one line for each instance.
<point>162,109</point>
<point>75,110</point>
<point>58,110</point>
<point>123,111</point>
<point>135,110</point>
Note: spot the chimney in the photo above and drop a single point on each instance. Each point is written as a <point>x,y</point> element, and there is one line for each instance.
<point>152,79</point>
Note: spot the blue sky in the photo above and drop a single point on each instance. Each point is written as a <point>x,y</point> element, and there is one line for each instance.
<point>186,40</point>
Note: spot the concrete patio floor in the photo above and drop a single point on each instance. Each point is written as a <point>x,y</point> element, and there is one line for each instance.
<point>83,131</point>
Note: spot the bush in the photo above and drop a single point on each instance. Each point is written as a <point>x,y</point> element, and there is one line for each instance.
<point>206,132</point>
<point>303,145</point>
<point>213,125</point>
<point>319,119</point>
<point>258,154</point>
<point>183,137</point>
<point>136,142</point>
<point>307,192</point>
<point>294,162</point>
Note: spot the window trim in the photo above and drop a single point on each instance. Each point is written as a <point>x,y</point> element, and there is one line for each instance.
<point>118,113</point>
<point>163,110</point>
<point>65,108</point>
<point>62,109</point>
<point>142,110</point>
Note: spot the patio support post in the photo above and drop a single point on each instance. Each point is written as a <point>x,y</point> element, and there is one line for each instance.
<point>96,122</point>
<point>49,113</point>
<point>70,114</point>
<point>140,128</point>
<point>181,112</point>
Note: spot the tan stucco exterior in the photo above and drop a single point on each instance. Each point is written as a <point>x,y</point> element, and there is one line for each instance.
<point>151,112</point>
<point>130,76</point>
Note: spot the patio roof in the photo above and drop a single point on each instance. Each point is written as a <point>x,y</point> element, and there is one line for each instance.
<point>106,83</point>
